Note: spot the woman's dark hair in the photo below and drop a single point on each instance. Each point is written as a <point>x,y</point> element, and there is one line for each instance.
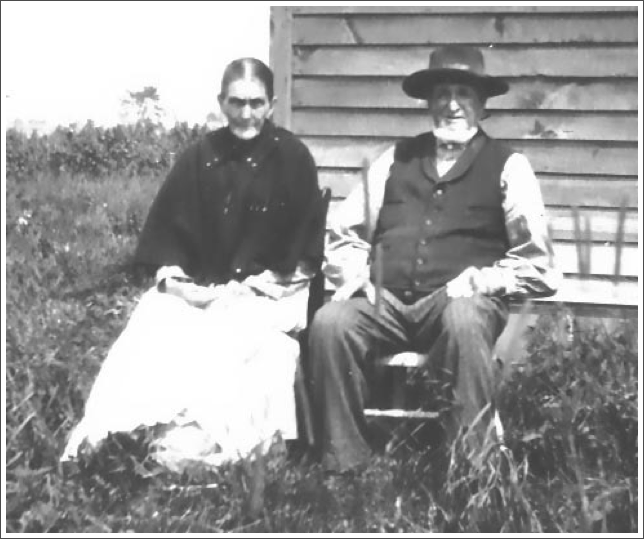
<point>247,67</point>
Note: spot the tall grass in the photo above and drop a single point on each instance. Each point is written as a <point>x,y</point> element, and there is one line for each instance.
<point>569,462</point>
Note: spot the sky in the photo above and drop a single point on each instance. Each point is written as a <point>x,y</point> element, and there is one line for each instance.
<point>67,62</point>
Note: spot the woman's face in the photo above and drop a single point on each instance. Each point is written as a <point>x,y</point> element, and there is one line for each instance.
<point>246,107</point>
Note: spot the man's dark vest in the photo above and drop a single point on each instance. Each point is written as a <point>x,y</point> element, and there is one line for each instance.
<point>430,230</point>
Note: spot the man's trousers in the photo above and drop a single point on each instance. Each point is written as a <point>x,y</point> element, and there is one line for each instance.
<point>458,333</point>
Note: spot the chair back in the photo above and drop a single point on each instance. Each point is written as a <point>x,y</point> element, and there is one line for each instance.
<point>316,287</point>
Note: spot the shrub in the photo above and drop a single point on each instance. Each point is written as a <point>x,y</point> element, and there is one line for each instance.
<point>143,148</point>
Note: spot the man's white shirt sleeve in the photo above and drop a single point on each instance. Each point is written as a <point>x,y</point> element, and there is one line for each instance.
<point>528,267</point>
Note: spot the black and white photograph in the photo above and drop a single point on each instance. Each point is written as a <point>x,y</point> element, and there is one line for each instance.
<point>321,268</point>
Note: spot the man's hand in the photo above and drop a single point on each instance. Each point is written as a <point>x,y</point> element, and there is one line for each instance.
<point>359,283</point>
<point>473,280</point>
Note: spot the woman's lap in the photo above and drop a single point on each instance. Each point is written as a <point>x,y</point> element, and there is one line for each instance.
<point>224,369</point>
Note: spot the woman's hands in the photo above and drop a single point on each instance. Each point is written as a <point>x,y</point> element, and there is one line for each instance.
<point>173,280</point>
<point>194,294</point>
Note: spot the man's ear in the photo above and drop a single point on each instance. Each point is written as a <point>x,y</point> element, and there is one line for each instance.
<point>484,113</point>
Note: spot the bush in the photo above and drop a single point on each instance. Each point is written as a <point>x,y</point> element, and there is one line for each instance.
<point>581,398</point>
<point>143,148</point>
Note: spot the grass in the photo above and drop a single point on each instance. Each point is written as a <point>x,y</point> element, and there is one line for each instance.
<point>571,412</point>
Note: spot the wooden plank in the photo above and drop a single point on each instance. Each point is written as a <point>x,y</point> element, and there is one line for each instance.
<point>603,224</point>
<point>403,359</point>
<point>579,157</point>
<point>525,93</point>
<point>589,191</point>
<point>556,157</point>
<point>303,11</point>
<point>602,259</point>
<point>594,293</point>
<point>396,413</point>
<point>500,124</point>
<point>476,28</point>
<point>588,309</point>
<point>558,190</point>
<point>281,62</point>
<point>552,61</point>
<point>345,152</point>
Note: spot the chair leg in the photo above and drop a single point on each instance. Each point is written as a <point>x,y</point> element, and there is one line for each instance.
<point>399,379</point>
<point>304,409</point>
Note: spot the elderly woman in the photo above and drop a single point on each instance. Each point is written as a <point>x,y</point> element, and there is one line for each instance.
<point>209,352</point>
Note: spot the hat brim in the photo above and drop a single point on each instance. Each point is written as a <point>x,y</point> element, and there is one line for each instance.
<point>420,83</point>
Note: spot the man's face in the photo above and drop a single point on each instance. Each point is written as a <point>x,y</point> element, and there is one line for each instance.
<point>246,107</point>
<point>456,106</point>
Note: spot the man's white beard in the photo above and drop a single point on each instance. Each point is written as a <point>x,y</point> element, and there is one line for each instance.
<point>458,135</point>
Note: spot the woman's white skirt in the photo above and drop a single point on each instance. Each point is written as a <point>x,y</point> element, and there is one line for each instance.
<point>220,379</point>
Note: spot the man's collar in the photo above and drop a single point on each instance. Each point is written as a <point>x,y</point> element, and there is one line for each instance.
<point>463,163</point>
<point>443,145</point>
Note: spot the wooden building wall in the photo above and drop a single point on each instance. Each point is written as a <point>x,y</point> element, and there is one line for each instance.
<point>572,106</point>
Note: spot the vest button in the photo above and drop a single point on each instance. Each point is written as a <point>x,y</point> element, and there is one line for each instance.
<point>428,222</point>
<point>423,241</point>
<point>407,293</point>
<point>419,261</point>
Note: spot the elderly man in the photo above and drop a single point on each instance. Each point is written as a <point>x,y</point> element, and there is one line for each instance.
<point>459,230</point>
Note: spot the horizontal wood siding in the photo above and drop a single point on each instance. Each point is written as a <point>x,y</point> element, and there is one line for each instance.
<point>538,125</point>
<point>445,10</point>
<point>572,108</point>
<point>528,94</point>
<point>546,156</point>
<point>558,190</point>
<point>509,61</point>
<point>474,29</point>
